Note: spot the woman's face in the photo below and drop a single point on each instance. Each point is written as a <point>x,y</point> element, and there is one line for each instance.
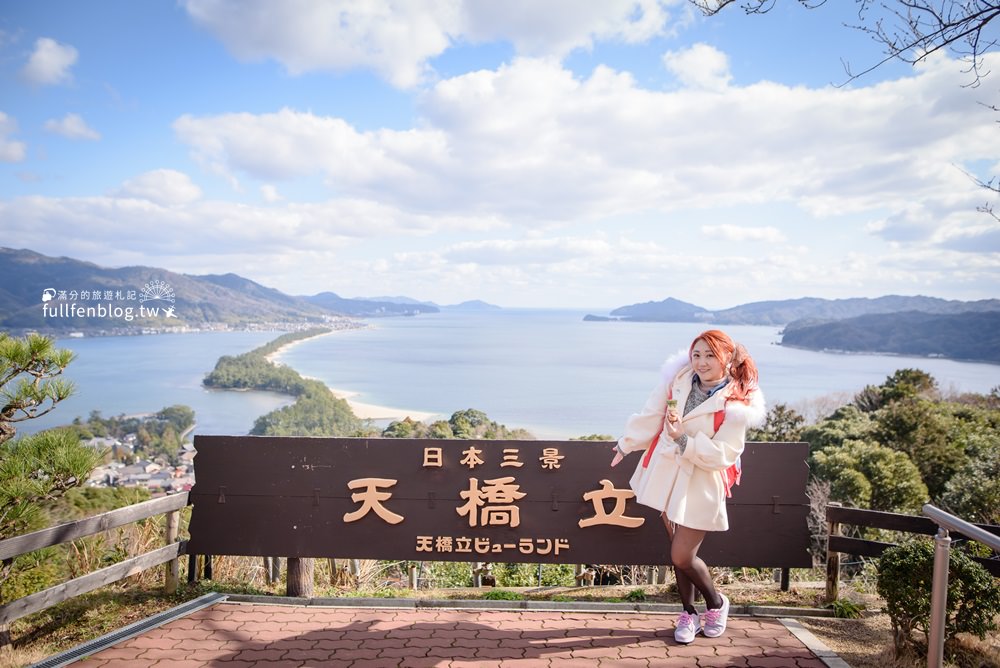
<point>704,362</point>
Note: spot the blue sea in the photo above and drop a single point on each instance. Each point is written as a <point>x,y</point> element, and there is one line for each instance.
<point>547,371</point>
<point>560,377</point>
<point>134,375</point>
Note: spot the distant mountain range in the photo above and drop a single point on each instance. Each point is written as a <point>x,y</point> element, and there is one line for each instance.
<point>919,326</point>
<point>196,300</point>
<point>471,305</point>
<point>790,310</point>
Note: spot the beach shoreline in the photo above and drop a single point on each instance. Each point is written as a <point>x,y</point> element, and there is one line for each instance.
<point>364,410</point>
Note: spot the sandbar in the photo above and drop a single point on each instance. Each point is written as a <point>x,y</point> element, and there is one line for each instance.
<point>363,410</point>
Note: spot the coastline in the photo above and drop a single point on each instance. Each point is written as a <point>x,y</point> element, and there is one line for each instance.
<point>364,410</point>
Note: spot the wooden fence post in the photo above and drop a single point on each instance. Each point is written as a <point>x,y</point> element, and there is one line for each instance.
<point>173,570</point>
<point>832,563</point>
<point>300,577</point>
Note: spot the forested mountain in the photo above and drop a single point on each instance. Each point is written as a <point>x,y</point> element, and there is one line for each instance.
<point>962,336</point>
<point>196,299</point>
<point>785,311</point>
<point>668,310</point>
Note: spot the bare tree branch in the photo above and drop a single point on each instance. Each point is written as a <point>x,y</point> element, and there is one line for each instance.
<point>915,29</point>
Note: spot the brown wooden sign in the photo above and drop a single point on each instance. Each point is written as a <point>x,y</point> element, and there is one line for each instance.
<point>472,500</point>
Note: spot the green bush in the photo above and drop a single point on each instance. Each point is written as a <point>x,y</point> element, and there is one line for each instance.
<point>526,575</point>
<point>905,577</point>
<point>502,595</point>
<point>635,596</point>
<point>845,609</point>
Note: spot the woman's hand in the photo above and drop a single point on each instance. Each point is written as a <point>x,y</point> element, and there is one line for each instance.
<point>618,456</point>
<point>673,426</point>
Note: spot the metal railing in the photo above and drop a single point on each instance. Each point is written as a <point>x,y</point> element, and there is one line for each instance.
<point>939,589</point>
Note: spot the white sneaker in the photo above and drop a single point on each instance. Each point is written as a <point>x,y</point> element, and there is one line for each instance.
<point>715,619</point>
<point>687,628</point>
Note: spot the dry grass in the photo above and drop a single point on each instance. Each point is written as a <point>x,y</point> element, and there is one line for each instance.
<point>867,643</point>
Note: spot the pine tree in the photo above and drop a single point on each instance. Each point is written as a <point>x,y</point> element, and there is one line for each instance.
<point>42,467</point>
<point>29,383</point>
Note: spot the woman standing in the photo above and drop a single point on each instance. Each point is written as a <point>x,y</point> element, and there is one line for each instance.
<point>692,430</point>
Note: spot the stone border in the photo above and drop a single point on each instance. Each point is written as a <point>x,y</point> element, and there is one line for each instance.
<point>83,650</point>
<point>814,644</point>
<point>554,606</point>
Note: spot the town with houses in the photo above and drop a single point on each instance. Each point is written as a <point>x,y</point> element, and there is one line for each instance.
<point>157,475</point>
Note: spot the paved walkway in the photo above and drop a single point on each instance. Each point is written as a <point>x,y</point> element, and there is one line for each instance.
<point>234,635</point>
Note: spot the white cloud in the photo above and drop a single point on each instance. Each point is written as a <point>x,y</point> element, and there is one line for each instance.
<point>525,251</point>
<point>270,193</point>
<point>159,212</point>
<point>532,144</point>
<point>397,38</point>
<point>72,126</point>
<point>393,38</point>
<point>700,66</point>
<point>166,187</point>
<point>740,233</point>
<point>10,150</point>
<point>49,63</point>
<point>557,27</point>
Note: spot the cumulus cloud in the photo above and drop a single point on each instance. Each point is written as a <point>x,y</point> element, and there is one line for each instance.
<point>532,144</point>
<point>10,150</point>
<point>739,233</point>
<point>49,63</point>
<point>393,38</point>
<point>72,126</point>
<point>397,38</point>
<point>165,187</point>
<point>557,27</point>
<point>700,66</point>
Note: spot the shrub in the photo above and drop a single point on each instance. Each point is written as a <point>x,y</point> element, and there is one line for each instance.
<point>502,595</point>
<point>904,580</point>
<point>846,609</point>
<point>635,596</point>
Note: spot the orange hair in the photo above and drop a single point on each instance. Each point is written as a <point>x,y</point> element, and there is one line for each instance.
<point>736,360</point>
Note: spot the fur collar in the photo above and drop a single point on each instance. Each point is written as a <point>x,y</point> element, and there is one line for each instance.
<point>674,365</point>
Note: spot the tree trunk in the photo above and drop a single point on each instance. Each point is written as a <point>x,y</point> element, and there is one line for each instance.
<point>300,577</point>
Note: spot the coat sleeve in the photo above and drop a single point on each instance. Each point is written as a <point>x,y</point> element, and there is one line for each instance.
<point>719,452</point>
<point>642,428</point>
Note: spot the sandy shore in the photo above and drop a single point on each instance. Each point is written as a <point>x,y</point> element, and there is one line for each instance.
<point>363,410</point>
<point>367,411</point>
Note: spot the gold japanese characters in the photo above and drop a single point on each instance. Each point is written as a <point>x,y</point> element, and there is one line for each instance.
<point>492,502</point>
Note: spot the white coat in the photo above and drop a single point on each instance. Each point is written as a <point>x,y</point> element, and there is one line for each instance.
<point>689,487</point>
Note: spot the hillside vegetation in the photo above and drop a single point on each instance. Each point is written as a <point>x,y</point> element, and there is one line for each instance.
<point>962,336</point>
<point>901,444</point>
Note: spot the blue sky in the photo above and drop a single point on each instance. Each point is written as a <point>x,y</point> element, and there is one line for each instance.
<point>574,154</point>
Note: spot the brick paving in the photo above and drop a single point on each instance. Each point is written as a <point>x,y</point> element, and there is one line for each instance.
<point>238,635</point>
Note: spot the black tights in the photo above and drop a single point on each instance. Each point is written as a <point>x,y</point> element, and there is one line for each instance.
<point>691,572</point>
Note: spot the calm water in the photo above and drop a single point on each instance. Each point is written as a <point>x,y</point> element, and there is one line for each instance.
<point>559,377</point>
<point>142,374</point>
<point>546,371</point>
